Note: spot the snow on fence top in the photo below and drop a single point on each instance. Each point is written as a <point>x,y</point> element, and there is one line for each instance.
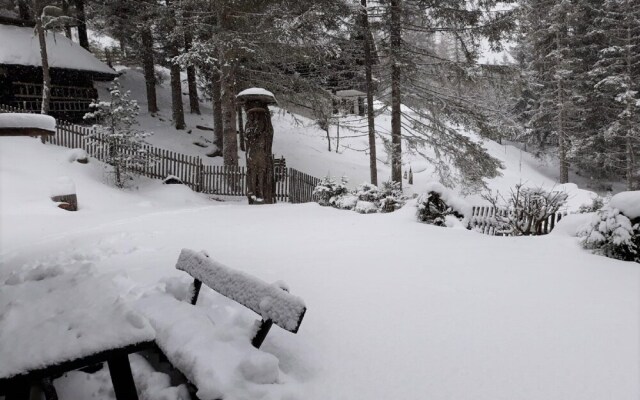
<point>37,121</point>
<point>20,46</point>
<point>627,203</point>
<point>268,300</point>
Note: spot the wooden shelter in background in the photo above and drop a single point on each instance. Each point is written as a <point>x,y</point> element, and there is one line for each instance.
<point>73,71</point>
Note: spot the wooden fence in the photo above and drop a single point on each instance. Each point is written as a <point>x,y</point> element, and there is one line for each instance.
<point>485,220</point>
<point>291,185</point>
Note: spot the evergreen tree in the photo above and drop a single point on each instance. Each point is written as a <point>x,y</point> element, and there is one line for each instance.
<point>424,86</point>
<point>116,130</point>
<point>617,87</point>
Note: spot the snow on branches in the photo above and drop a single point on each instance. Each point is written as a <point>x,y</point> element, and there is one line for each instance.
<point>115,130</point>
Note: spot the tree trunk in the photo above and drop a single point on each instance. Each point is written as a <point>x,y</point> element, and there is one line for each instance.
<point>194,104</point>
<point>176,97</point>
<point>149,69</point>
<point>241,128</point>
<point>261,183</point>
<point>65,11</point>
<point>562,134</point>
<point>396,114</point>
<point>216,93</point>
<point>368,63</point>
<point>23,10</point>
<point>629,105</point>
<point>228,98</point>
<point>44,58</point>
<point>229,134</point>
<point>82,24</point>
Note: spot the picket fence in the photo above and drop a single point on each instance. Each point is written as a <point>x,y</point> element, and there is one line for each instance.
<point>483,219</point>
<point>291,185</point>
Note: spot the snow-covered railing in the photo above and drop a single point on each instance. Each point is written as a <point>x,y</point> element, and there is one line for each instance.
<point>291,186</point>
<point>486,220</point>
<point>271,301</point>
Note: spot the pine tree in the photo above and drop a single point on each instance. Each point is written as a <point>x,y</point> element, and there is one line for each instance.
<point>617,73</point>
<point>116,130</point>
<point>427,107</point>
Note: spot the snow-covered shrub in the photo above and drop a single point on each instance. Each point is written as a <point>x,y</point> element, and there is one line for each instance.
<point>328,189</point>
<point>346,201</point>
<point>368,192</point>
<point>115,129</point>
<point>432,209</point>
<point>597,203</point>
<point>366,207</point>
<point>612,234</point>
<point>527,209</point>
<point>386,198</point>
<point>439,205</point>
<point>365,199</point>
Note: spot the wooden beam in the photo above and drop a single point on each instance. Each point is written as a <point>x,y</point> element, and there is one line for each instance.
<point>25,132</point>
<point>121,377</point>
<point>6,384</point>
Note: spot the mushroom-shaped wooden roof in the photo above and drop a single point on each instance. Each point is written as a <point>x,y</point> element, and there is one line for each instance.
<point>257,94</point>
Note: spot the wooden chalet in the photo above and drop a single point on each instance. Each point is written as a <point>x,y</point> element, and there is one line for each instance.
<point>73,71</point>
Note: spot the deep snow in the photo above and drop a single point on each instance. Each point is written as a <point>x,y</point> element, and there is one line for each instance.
<point>396,309</point>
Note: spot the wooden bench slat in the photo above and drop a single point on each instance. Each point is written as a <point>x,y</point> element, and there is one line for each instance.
<point>267,300</point>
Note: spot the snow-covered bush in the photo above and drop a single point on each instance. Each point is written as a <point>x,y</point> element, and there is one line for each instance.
<point>597,203</point>
<point>115,129</point>
<point>615,229</point>
<point>432,209</point>
<point>328,189</point>
<point>439,204</point>
<point>365,199</point>
<point>612,234</point>
<point>527,209</point>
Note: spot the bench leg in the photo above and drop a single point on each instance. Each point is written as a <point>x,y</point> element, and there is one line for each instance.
<point>48,389</point>
<point>261,334</point>
<point>122,378</point>
<point>19,391</point>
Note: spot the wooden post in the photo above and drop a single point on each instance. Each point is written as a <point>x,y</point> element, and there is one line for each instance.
<point>261,182</point>
<point>121,377</point>
<point>261,334</point>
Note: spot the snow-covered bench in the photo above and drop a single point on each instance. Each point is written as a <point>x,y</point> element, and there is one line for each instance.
<point>54,322</point>
<point>271,301</point>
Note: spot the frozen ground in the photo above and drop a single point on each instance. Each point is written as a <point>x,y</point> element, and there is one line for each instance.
<point>396,309</point>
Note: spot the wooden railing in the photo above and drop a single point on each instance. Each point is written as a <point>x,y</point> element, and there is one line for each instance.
<point>484,220</point>
<point>291,185</point>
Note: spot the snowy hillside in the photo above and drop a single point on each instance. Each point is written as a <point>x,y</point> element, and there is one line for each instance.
<point>304,145</point>
<point>396,309</point>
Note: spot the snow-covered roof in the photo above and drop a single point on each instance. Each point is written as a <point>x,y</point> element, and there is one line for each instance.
<point>20,46</point>
<point>256,91</point>
<point>349,93</point>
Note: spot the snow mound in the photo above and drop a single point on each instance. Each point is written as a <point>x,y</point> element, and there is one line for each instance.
<point>627,203</point>
<point>23,120</point>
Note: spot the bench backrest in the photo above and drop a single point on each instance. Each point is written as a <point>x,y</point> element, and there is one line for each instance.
<point>268,300</point>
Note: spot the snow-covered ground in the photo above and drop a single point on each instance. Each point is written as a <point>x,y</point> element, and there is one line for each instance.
<point>395,308</point>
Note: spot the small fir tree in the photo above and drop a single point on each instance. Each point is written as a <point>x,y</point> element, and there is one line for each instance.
<point>115,129</point>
